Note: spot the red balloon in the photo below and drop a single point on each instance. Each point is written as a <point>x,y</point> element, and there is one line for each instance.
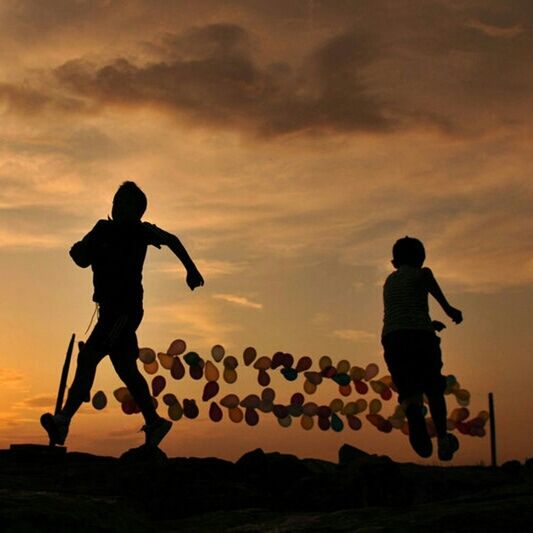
<point>178,370</point>
<point>329,371</point>
<point>386,394</point>
<point>280,411</point>
<point>287,360</point>
<point>361,387</point>
<point>345,390</point>
<point>210,390</point>
<point>323,423</point>
<point>215,412</point>
<point>251,416</point>
<point>277,360</point>
<point>303,364</point>
<point>324,411</point>
<point>158,384</point>
<point>354,422</point>
<point>129,407</point>
<point>297,398</point>
<point>263,378</point>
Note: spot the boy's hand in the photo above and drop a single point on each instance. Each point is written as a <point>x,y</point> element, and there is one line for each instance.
<point>454,314</point>
<point>437,325</point>
<point>194,279</point>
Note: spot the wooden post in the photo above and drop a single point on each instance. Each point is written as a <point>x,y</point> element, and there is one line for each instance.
<point>494,462</point>
<point>64,375</point>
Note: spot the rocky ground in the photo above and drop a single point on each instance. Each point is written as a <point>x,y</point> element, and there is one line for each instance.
<point>145,491</point>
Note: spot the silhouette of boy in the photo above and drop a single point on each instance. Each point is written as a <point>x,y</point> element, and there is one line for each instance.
<point>411,347</point>
<point>115,249</point>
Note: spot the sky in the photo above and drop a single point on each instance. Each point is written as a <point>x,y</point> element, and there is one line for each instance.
<point>288,144</point>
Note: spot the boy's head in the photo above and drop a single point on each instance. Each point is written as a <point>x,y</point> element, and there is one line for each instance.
<point>408,251</point>
<point>129,203</point>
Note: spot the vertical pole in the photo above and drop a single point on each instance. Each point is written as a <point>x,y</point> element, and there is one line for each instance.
<point>494,462</point>
<point>64,375</point>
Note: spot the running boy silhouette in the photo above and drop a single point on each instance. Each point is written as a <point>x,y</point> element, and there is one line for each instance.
<point>115,249</point>
<point>412,349</point>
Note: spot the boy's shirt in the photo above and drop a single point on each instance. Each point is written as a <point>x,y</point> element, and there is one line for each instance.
<point>405,299</point>
<point>116,253</point>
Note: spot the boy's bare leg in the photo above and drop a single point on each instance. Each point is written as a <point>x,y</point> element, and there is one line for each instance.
<point>437,408</point>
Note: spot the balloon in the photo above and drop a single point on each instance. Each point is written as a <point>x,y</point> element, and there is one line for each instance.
<point>324,362</point>
<point>430,427</point>
<point>177,347</point>
<point>196,372</point>
<point>385,426</point>
<point>323,423</point>
<point>342,379</point>
<point>263,378</point>
<point>249,355</point>
<point>158,384</point>
<point>151,368</point>
<point>324,411</point>
<point>313,377</point>
<point>378,387</point>
<point>217,352</point>
<point>99,400</point>
<point>336,423</point>
<point>215,412</point>
<point>386,394</point>
<point>357,373</point>
<point>336,405</point>
<point>345,390</point>
<point>285,422</point>
<point>277,360</point>
<point>309,387</point>
<point>129,407</point>
<point>405,428</point>
<point>211,389</point>
<point>310,409</point>
<point>450,424</point>
<point>169,399</point>
<point>349,409</point>
<point>268,394</point>
<point>361,404</point>
<point>251,401</point>
<point>190,409</point>
<point>165,360</point>
<point>463,428</point>
<point>371,371</point>
<point>230,376</point>
<point>280,411</point>
<point>211,372</point>
<point>386,379</point>
<point>343,367</point>
<point>287,360</point>
<point>354,422</point>
<point>460,414</point>
<point>396,422</point>
<point>399,412</point>
<point>484,415</point>
<point>361,387</point>
<point>265,406</point>
<point>329,371</point>
<point>146,355</point>
<point>178,370</point>
<point>230,362</point>
<point>306,422</point>
<point>236,415</point>
<point>374,407</point>
<point>230,401</point>
<point>374,419</point>
<point>297,398</point>
<point>175,411</point>
<point>263,363</point>
<point>289,374</point>
<point>122,394</point>
<point>303,364</point>
<point>251,416</point>
<point>295,409</point>
<point>191,358</point>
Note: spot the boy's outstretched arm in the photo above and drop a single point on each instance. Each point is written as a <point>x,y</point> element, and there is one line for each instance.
<point>435,291</point>
<point>194,278</point>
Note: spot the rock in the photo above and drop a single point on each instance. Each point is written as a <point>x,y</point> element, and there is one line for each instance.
<point>350,454</point>
<point>144,454</point>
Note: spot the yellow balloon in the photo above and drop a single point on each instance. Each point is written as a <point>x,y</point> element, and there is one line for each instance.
<point>343,367</point>
<point>357,373</point>
<point>263,363</point>
<point>236,415</point>
<point>146,355</point>
<point>151,368</point>
<point>217,352</point>
<point>336,405</point>
<point>211,372</point>
<point>230,376</point>
<point>230,401</point>
<point>324,362</point>
<point>378,386</point>
<point>285,422</point>
<point>350,409</point>
<point>375,407</point>
<point>122,394</point>
<point>175,411</point>
<point>309,387</point>
<point>361,405</point>
<point>165,360</point>
<point>306,422</point>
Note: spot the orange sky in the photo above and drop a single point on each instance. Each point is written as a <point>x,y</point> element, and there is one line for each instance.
<point>288,144</point>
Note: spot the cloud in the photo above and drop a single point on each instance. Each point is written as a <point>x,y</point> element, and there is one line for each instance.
<point>39,401</point>
<point>238,300</point>
<point>354,335</point>
<point>11,378</point>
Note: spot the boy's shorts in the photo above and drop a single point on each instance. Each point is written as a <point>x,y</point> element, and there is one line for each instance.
<point>114,333</point>
<point>414,361</point>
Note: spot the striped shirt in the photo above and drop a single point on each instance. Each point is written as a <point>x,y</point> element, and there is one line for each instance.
<point>405,300</point>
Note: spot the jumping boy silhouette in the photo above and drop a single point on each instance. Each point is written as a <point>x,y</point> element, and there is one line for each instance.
<point>411,347</point>
<point>116,249</point>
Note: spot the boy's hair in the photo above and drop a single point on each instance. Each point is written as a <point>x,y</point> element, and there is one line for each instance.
<point>134,194</point>
<point>408,251</point>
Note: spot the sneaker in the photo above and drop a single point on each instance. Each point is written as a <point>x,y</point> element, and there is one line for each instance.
<point>156,431</point>
<point>447,446</point>
<point>56,426</point>
<point>418,433</point>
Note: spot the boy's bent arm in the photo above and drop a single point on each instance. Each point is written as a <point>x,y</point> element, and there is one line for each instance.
<point>435,291</point>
